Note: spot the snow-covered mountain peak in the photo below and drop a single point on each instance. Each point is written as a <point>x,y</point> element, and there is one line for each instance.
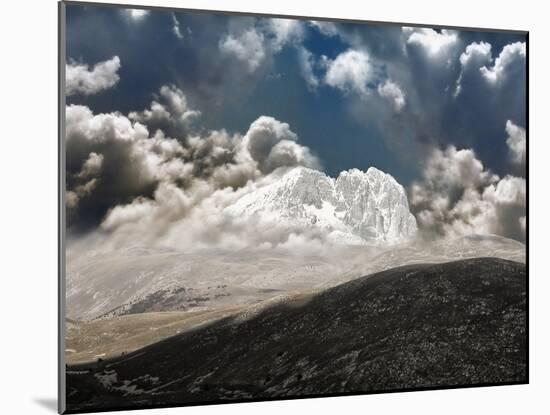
<point>356,207</point>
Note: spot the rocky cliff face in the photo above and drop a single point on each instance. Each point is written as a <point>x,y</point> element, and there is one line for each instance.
<point>355,208</point>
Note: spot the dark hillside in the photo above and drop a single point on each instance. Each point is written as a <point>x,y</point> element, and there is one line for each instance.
<point>416,326</point>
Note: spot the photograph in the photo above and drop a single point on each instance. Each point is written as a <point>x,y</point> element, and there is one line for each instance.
<point>263,207</point>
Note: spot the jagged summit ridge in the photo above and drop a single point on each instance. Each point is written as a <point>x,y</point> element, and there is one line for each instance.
<point>357,207</point>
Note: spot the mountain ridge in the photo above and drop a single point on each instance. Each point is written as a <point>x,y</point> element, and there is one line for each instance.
<point>355,208</point>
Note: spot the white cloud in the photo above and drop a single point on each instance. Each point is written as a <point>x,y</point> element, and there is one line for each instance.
<point>350,72</point>
<point>508,56</point>
<point>263,134</point>
<point>306,61</point>
<point>281,32</point>
<point>80,79</point>
<point>169,112</point>
<point>272,144</point>
<point>194,218</point>
<point>393,94</point>
<point>474,57</point>
<point>458,196</point>
<point>477,63</point>
<point>475,50</point>
<point>433,42</point>
<point>287,153</point>
<point>169,203</point>
<point>92,166</point>
<point>176,102</point>
<point>516,141</point>
<point>247,47</point>
<point>81,123</point>
<point>451,170</point>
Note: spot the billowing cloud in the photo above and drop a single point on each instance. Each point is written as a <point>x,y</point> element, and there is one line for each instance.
<point>477,61</point>
<point>246,47</point>
<point>195,218</point>
<point>432,41</point>
<point>474,57</point>
<point>92,165</point>
<point>263,134</point>
<point>450,171</point>
<point>80,79</point>
<point>119,166</point>
<point>107,158</point>
<point>507,199</point>
<point>458,196</point>
<point>516,141</point>
<point>511,56</point>
<point>476,50</point>
<point>272,144</point>
<point>393,94</point>
<point>169,112</point>
<point>349,72</point>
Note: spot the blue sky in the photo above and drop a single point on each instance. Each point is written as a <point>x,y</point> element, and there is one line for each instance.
<point>356,95</point>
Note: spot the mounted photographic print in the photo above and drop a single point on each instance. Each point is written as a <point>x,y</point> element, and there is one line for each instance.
<point>260,207</point>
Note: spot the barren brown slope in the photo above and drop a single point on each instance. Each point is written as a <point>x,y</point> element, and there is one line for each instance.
<point>107,338</point>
